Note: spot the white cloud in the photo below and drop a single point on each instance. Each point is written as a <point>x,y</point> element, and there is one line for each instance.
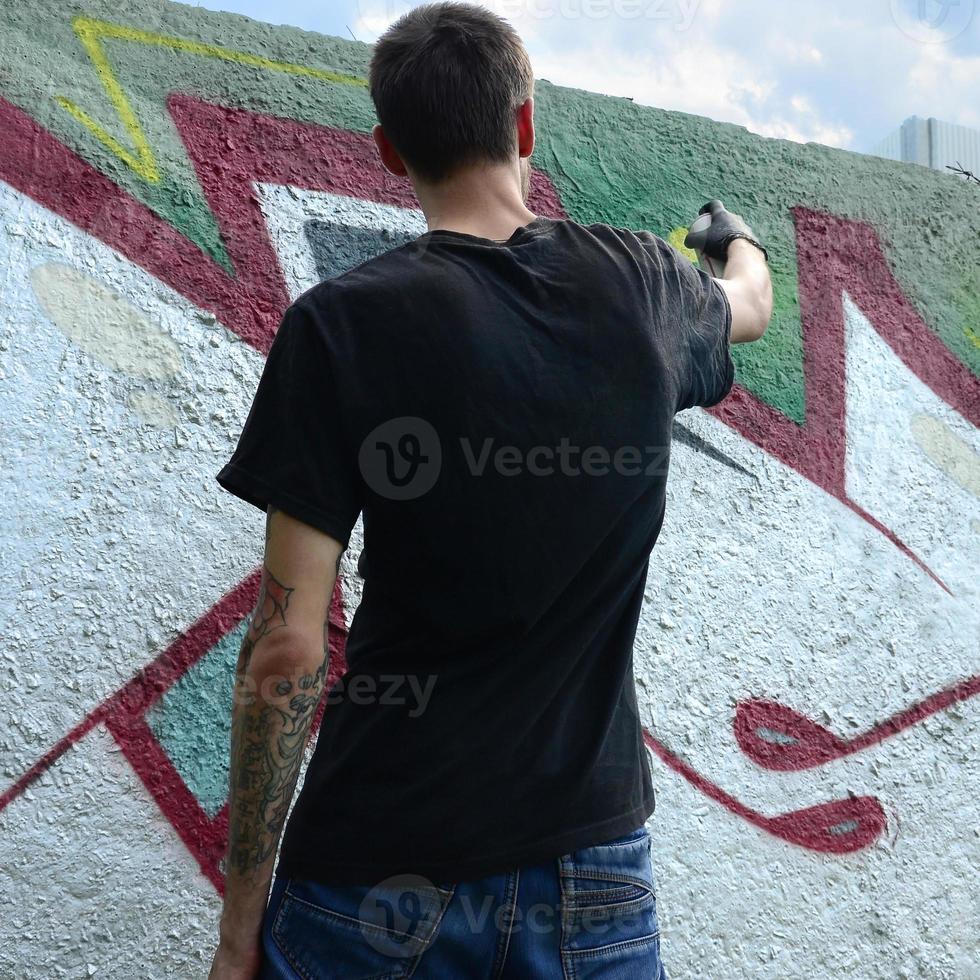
<point>939,75</point>
<point>790,51</point>
<point>732,91</point>
<point>836,72</point>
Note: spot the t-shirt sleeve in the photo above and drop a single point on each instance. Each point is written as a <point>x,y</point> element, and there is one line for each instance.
<point>695,324</point>
<point>291,452</point>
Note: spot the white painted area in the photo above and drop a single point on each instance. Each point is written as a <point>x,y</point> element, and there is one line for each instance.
<point>287,209</point>
<point>890,474</point>
<point>761,586</point>
<point>96,882</point>
<point>736,904</point>
<point>772,589</point>
<point>116,534</point>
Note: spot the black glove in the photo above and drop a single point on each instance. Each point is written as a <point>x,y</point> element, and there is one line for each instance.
<point>713,240</point>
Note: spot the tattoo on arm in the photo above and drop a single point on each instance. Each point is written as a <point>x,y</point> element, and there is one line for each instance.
<point>269,614</point>
<point>268,739</point>
<point>268,735</point>
<point>271,607</point>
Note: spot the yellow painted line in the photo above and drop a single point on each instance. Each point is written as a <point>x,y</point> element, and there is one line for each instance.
<point>92,32</point>
<point>144,164</point>
<point>676,238</point>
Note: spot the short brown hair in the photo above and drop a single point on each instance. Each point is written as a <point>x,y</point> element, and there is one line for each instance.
<point>446,80</point>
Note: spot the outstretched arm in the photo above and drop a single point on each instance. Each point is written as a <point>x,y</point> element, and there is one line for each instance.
<point>749,291</point>
<point>722,235</point>
<point>279,678</point>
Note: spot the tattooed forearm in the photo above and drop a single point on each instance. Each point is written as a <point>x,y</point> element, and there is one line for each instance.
<point>267,744</point>
<point>269,730</point>
<point>280,678</point>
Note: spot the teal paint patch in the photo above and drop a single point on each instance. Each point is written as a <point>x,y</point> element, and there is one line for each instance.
<point>192,722</point>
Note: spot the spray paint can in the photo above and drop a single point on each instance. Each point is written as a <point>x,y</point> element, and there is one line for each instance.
<point>696,237</point>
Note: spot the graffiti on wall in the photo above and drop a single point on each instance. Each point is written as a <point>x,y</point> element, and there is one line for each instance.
<point>145,715</point>
<point>837,615</point>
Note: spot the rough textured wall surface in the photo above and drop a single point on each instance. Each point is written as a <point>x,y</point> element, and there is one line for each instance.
<point>808,654</point>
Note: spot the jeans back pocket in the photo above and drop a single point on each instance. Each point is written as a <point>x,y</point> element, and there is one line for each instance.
<point>359,932</point>
<point>608,902</point>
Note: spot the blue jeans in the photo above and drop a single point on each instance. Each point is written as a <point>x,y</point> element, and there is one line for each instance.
<point>587,915</point>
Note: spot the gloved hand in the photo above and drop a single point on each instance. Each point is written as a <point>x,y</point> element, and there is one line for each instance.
<point>725,226</point>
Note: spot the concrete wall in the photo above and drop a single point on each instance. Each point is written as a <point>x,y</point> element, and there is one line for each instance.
<point>807,659</point>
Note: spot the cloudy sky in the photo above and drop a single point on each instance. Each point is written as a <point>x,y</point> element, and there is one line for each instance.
<point>842,72</point>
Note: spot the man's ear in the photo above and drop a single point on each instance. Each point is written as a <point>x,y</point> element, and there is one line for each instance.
<point>389,155</point>
<point>525,128</point>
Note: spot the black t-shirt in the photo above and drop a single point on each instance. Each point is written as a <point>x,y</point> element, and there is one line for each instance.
<point>500,412</point>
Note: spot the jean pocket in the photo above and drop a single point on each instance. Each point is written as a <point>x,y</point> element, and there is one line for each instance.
<point>641,833</point>
<point>608,896</point>
<point>359,932</point>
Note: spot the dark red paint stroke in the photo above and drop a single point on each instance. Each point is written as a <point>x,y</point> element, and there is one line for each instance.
<point>50,757</point>
<point>835,255</point>
<point>231,149</point>
<point>154,679</point>
<point>164,783</point>
<point>256,147</point>
<point>253,147</point>
<point>39,166</point>
<point>836,827</point>
<point>895,540</point>
<point>810,744</point>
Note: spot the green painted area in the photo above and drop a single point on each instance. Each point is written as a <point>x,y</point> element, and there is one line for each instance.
<point>192,722</point>
<point>44,59</point>
<point>610,159</point>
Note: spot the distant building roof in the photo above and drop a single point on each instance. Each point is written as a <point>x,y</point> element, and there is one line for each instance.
<point>932,143</point>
